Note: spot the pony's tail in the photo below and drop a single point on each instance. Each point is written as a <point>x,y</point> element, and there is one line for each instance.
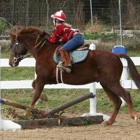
<point>132,69</point>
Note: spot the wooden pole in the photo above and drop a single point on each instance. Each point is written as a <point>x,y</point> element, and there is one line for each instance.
<point>15,104</point>
<point>68,104</point>
<point>21,106</point>
<point>53,111</point>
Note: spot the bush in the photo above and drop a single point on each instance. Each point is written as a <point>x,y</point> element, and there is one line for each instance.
<point>3,27</point>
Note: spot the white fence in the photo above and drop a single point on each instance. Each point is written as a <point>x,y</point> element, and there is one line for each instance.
<point>30,62</point>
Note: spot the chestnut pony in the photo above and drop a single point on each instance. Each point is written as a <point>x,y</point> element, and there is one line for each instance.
<point>99,66</point>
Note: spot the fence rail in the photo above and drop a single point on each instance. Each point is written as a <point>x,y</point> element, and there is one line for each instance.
<point>30,62</point>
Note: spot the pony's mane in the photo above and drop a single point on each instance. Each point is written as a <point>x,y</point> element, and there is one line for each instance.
<point>31,30</point>
<point>16,30</point>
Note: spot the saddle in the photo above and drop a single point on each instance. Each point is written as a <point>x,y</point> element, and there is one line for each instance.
<point>76,56</point>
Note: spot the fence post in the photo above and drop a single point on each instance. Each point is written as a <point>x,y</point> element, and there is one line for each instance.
<point>125,69</point>
<point>121,49</point>
<point>93,101</point>
<point>6,124</point>
<point>124,76</point>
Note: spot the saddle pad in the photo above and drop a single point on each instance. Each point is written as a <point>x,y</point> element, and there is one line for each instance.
<point>77,56</point>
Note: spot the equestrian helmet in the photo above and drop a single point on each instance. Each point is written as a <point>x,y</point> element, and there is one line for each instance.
<point>59,15</point>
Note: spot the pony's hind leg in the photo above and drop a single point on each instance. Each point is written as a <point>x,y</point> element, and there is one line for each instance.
<point>117,103</point>
<point>118,90</point>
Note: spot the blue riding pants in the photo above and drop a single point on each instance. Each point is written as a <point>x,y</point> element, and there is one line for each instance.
<point>75,42</point>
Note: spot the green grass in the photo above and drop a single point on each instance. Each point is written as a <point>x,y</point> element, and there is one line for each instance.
<point>59,97</point>
<point>17,73</point>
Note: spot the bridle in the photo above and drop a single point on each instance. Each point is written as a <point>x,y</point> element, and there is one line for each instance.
<point>16,58</point>
<point>39,44</point>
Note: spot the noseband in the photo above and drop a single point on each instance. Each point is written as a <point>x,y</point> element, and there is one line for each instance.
<point>16,58</point>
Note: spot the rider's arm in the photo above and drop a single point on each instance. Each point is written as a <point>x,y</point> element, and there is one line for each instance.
<point>55,38</point>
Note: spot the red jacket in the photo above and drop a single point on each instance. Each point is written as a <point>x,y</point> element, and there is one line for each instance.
<point>61,33</point>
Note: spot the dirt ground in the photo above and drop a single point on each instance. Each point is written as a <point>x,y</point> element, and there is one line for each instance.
<point>123,129</point>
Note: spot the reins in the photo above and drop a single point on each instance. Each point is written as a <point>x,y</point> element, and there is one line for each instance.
<point>40,43</point>
<point>43,41</point>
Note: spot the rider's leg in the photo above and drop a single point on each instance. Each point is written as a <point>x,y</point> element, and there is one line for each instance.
<point>66,62</point>
<point>72,44</point>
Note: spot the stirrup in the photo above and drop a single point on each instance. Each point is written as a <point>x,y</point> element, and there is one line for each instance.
<point>60,66</point>
<point>68,69</point>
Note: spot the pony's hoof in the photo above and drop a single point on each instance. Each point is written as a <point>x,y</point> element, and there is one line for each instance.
<point>44,97</point>
<point>105,123</point>
<point>137,118</point>
<point>39,101</point>
<point>28,112</point>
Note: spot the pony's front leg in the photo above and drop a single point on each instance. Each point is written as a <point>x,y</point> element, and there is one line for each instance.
<point>38,88</point>
<point>43,97</point>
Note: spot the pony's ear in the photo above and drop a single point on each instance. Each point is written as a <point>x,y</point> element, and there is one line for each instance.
<point>44,33</point>
<point>12,36</point>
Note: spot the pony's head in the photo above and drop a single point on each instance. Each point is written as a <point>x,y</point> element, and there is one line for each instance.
<point>23,41</point>
<point>17,51</point>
